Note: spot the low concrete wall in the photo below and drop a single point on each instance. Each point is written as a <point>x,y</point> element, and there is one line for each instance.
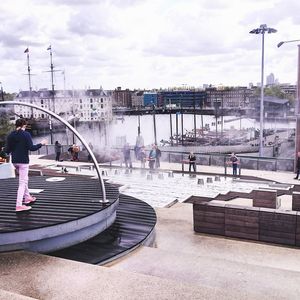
<point>266,198</point>
<point>296,201</point>
<point>254,223</point>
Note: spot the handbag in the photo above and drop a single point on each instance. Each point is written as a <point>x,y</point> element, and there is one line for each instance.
<point>7,170</point>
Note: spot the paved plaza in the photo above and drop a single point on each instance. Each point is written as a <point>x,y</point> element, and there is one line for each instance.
<point>181,264</point>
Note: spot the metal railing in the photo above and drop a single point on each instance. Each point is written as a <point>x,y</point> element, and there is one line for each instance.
<point>213,159</point>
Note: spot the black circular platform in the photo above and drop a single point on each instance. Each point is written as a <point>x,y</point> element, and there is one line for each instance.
<point>133,226</point>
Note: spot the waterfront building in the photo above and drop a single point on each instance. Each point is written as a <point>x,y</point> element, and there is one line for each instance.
<point>92,105</point>
<point>137,99</point>
<point>230,97</point>
<point>274,107</point>
<point>186,98</point>
<point>288,89</point>
<point>86,105</point>
<point>150,99</point>
<point>122,98</point>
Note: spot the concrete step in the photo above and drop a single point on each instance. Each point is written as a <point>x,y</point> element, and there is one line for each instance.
<point>221,274</point>
<point>44,277</point>
<point>5,295</point>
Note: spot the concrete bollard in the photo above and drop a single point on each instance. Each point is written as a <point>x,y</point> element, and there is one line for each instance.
<point>149,177</point>
<point>170,174</point>
<point>209,180</point>
<point>104,173</point>
<point>117,172</point>
<point>201,181</point>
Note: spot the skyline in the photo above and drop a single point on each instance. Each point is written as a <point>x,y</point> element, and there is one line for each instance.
<point>147,44</point>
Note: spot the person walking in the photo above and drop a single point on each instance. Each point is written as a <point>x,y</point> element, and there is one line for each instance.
<point>152,157</point>
<point>234,161</point>
<point>192,161</point>
<point>57,148</point>
<point>158,156</point>
<point>298,166</point>
<point>19,143</point>
<point>139,143</point>
<point>89,155</point>
<point>127,157</point>
<point>142,157</point>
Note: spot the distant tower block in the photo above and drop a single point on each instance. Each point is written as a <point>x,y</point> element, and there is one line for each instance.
<point>217,178</point>
<point>209,180</point>
<point>170,174</point>
<point>160,176</point>
<point>149,177</point>
<point>201,181</point>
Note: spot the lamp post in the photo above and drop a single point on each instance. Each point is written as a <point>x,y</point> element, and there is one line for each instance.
<point>297,108</point>
<point>2,93</point>
<point>262,29</point>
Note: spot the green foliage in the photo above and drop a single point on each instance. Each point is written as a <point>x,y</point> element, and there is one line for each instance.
<point>9,97</point>
<point>5,127</point>
<point>274,91</point>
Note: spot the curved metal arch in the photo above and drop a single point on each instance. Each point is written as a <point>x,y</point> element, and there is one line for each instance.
<point>54,115</point>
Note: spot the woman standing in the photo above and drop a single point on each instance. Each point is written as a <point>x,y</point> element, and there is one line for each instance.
<point>57,147</point>
<point>19,143</point>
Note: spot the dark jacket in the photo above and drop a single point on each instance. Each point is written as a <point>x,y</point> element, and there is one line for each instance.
<point>192,158</point>
<point>19,143</point>
<point>57,147</point>
<point>298,163</point>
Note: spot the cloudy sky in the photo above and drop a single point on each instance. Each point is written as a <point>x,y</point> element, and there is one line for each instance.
<point>145,43</point>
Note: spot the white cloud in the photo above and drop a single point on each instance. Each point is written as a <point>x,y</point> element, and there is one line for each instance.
<point>146,43</point>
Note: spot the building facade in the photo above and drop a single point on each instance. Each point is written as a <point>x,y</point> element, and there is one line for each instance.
<point>150,99</point>
<point>137,99</point>
<point>86,105</point>
<point>184,98</point>
<point>237,97</point>
<point>122,98</point>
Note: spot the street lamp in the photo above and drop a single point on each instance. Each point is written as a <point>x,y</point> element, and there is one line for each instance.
<point>262,30</point>
<point>2,93</point>
<point>297,110</point>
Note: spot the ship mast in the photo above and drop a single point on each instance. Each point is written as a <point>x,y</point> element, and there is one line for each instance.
<point>29,78</point>
<point>52,102</point>
<point>52,81</point>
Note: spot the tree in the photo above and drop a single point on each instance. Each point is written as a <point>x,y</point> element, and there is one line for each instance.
<point>5,126</point>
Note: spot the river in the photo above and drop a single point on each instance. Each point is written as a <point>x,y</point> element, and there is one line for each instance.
<point>126,129</point>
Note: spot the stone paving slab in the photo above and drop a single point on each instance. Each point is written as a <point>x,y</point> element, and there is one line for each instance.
<point>260,281</point>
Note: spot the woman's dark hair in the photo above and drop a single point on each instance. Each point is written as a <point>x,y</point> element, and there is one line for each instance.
<point>21,122</point>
